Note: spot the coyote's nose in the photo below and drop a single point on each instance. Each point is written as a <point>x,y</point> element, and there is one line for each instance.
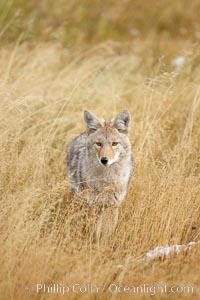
<point>104,160</point>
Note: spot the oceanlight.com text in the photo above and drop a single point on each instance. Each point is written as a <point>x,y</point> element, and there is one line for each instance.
<point>113,288</point>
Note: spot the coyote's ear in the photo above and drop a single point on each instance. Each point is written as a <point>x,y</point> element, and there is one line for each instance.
<point>123,121</point>
<point>91,121</point>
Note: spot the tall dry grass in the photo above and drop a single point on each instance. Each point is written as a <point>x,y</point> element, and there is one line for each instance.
<point>45,236</point>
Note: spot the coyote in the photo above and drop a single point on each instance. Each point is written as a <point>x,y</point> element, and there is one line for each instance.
<point>100,159</point>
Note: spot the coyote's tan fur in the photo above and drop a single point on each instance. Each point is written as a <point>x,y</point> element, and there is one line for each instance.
<point>100,160</point>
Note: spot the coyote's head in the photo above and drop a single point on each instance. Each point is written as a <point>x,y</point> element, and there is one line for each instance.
<point>108,141</point>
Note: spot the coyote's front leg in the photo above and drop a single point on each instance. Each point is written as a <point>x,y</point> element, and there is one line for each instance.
<point>106,223</point>
<point>107,204</point>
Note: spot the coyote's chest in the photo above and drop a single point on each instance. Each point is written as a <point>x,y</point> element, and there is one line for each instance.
<point>101,177</point>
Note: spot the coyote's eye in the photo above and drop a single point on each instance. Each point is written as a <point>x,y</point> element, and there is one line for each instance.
<point>115,143</point>
<point>98,144</point>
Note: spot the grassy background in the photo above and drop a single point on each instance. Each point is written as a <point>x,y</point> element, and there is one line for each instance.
<point>57,59</point>
<point>93,21</point>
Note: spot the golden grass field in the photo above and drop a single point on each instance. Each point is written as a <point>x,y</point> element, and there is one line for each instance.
<point>45,237</point>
